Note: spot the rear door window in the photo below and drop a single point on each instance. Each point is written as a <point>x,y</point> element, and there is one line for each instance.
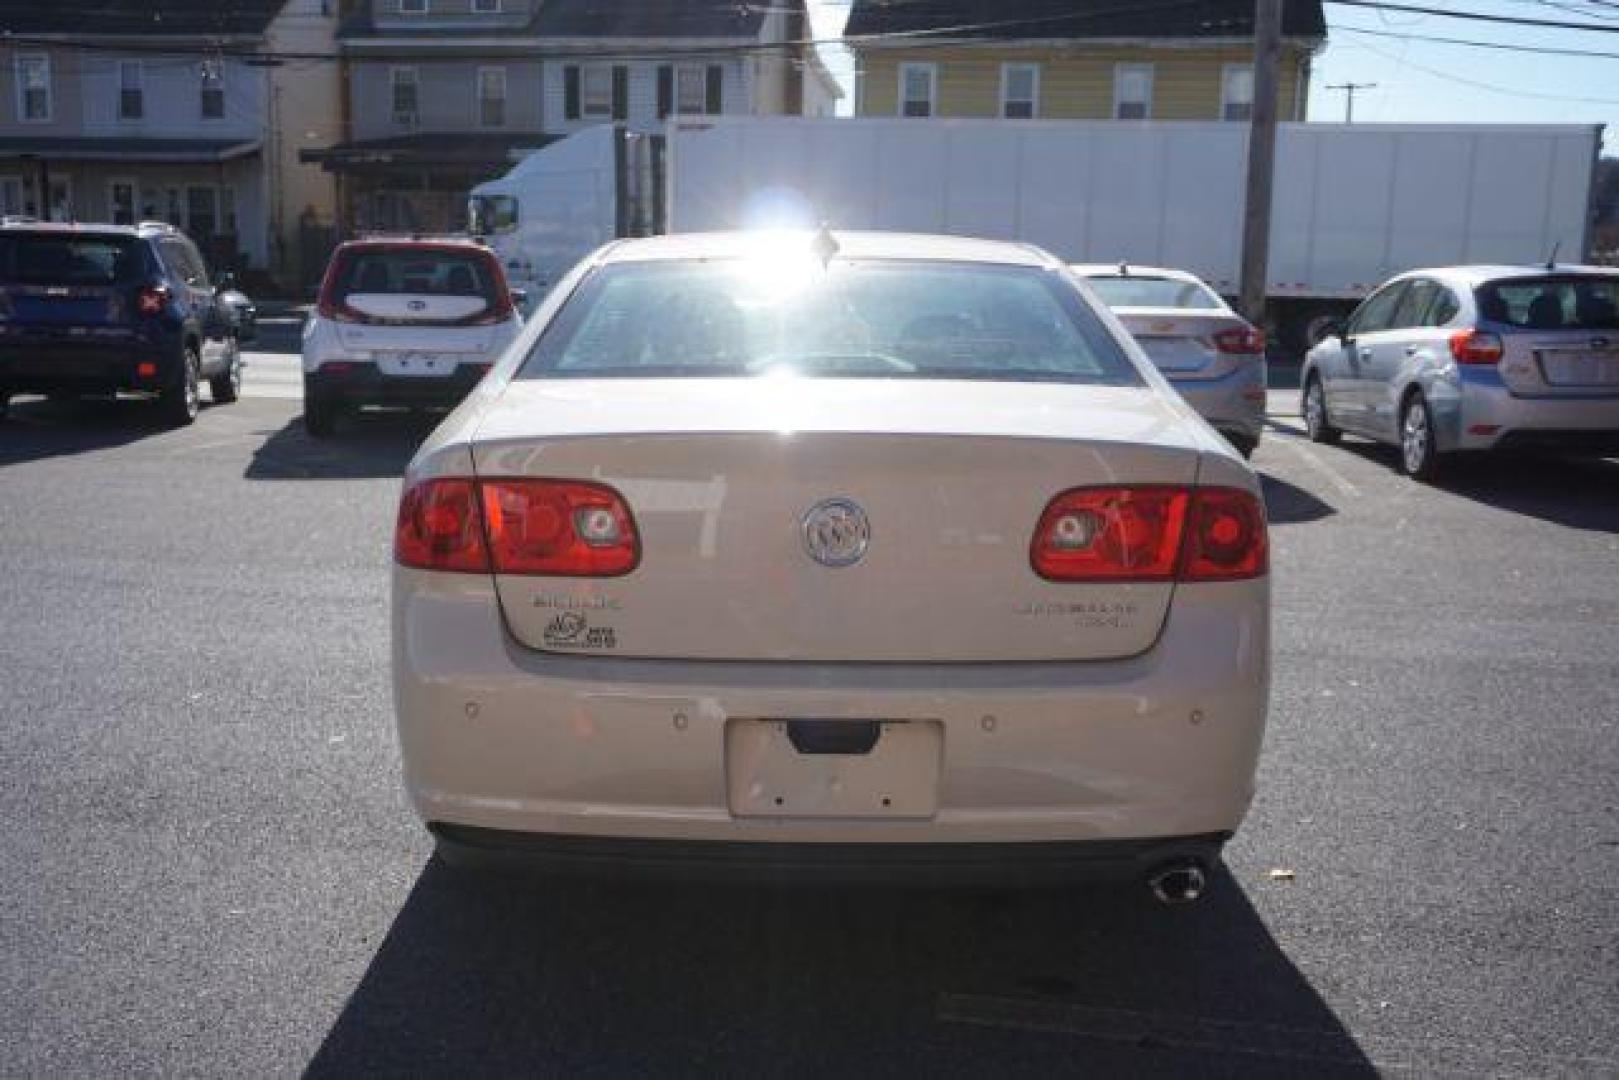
<point>182,263</point>
<point>1553,302</point>
<point>69,259</point>
<point>1415,305</point>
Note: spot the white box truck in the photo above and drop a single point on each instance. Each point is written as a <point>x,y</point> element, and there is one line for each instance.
<point>1353,204</point>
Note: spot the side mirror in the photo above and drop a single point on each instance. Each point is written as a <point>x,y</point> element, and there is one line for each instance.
<point>226,280</point>
<point>1332,328</point>
<point>520,298</point>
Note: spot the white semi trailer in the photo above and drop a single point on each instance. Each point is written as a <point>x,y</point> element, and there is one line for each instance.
<point>1353,204</point>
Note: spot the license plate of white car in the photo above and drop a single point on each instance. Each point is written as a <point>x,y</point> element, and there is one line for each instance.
<point>833,768</point>
<point>1567,368</point>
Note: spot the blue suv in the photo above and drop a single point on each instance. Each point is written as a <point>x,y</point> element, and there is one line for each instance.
<point>103,309</point>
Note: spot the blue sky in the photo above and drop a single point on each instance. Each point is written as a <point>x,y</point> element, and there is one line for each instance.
<point>1428,81</point>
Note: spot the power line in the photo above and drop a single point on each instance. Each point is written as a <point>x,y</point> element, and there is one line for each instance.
<point>1498,46</point>
<point>1478,16</point>
<point>1493,88</point>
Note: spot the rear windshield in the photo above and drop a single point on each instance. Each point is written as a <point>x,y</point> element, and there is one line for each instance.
<point>887,319</point>
<point>70,259</point>
<point>1553,303</point>
<point>417,272</point>
<point>1155,292</point>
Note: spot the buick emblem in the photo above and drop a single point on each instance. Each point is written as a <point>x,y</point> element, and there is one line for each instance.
<point>836,532</point>
<point>417,305</point>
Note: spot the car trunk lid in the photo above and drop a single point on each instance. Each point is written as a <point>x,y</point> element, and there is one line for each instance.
<point>1181,343</point>
<point>723,476</point>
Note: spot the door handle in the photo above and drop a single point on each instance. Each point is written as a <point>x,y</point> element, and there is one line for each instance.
<point>1365,353</point>
<point>1410,350</point>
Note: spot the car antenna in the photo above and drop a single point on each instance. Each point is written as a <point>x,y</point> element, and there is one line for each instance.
<point>825,245</point>
<point>1551,260</point>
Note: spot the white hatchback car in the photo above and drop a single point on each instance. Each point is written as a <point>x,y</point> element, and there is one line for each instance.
<point>859,552</point>
<point>404,321</point>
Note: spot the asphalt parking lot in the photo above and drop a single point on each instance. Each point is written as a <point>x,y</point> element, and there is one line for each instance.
<point>210,869</point>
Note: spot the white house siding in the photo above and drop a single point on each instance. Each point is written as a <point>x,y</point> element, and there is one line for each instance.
<point>447,96</point>
<point>304,112</point>
<point>735,93</point>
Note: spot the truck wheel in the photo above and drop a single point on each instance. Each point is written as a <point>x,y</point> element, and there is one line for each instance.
<point>1419,457</point>
<point>226,387</point>
<point>320,413</point>
<point>181,399</point>
<point>1317,424</point>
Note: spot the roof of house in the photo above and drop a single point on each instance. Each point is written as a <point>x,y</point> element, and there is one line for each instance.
<point>1001,20</point>
<point>119,17</point>
<point>124,148</point>
<point>650,19</point>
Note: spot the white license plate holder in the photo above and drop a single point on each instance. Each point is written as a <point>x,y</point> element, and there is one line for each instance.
<point>768,776</point>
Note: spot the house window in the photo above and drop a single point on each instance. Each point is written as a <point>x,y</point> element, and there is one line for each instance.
<point>61,198</point>
<point>202,211</point>
<point>34,87</point>
<point>131,103</point>
<point>492,96</point>
<point>1237,92</point>
<point>1020,91</point>
<point>121,201</point>
<point>596,91</point>
<point>918,87</point>
<point>13,199</point>
<point>405,97</point>
<point>486,7</point>
<point>413,7</point>
<point>1132,91</point>
<point>213,91</point>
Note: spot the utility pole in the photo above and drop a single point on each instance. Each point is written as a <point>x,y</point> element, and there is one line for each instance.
<point>1349,89</point>
<point>1261,160</point>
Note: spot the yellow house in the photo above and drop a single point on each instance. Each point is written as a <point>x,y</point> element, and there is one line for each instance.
<point>1073,59</point>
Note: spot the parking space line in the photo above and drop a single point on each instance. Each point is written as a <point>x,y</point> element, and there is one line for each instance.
<point>1298,445</point>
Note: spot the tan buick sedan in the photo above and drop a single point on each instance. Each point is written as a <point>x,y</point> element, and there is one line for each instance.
<point>838,554</point>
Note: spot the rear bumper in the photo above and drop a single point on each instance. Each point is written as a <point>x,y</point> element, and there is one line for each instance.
<point>997,864</point>
<point>1234,404</point>
<point>1489,416</point>
<point>365,384</point>
<point>498,737</point>
<point>48,368</point>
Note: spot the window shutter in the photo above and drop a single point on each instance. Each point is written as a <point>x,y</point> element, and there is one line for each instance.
<point>666,90</point>
<point>570,92</point>
<point>621,93</point>
<point>716,85</point>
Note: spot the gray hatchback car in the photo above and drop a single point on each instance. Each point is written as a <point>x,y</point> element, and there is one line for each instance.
<point>1473,358</point>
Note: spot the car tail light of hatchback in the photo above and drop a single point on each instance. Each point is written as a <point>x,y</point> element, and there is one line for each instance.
<point>1476,347</point>
<point>564,528</point>
<point>1151,533</point>
<point>152,299</point>
<point>1240,339</point>
<point>559,527</point>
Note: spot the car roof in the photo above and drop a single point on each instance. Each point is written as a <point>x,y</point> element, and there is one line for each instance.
<point>1484,273</point>
<point>850,245</point>
<point>1120,269</point>
<point>143,230</point>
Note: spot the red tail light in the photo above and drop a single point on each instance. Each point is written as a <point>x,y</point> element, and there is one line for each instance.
<point>1226,538</point>
<point>561,527</point>
<point>439,528</point>
<point>1476,347</point>
<point>152,299</point>
<point>1240,339</point>
<point>565,528</point>
<point>1117,534</point>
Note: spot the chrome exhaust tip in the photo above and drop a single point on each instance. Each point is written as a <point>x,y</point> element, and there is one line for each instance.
<point>1179,883</point>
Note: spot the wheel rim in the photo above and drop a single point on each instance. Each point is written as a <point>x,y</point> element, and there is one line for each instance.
<point>1414,436</point>
<point>193,392</point>
<point>1314,408</point>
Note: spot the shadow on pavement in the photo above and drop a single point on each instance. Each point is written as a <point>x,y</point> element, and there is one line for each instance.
<point>1579,492</point>
<point>498,975</point>
<point>36,428</point>
<point>1286,504</point>
<point>366,446</point>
